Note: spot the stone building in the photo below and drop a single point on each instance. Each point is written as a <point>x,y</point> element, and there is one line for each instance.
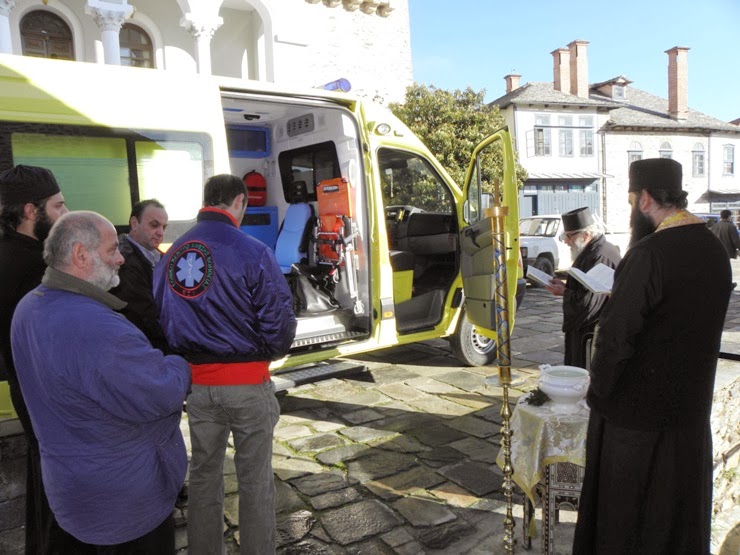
<point>289,42</point>
<point>577,139</point>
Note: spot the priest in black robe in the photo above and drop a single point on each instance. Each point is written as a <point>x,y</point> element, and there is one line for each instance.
<point>581,307</point>
<point>648,481</point>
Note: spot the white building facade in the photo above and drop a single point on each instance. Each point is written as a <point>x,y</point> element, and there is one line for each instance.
<point>292,42</point>
<point>577,140</point>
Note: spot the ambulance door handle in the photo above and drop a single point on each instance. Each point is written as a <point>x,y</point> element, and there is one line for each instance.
<point>470,232</point>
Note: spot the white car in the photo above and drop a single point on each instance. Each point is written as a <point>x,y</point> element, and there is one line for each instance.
<point>542,248</point>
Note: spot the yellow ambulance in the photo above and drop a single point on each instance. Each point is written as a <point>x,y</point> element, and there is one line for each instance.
<point>373,234</point>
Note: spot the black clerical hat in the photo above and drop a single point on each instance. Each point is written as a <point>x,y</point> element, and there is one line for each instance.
<point>656,174</point>
<point>577,219</point>
<point>23,184</point>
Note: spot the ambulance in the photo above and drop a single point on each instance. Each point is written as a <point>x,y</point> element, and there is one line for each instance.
<point>378,243</point>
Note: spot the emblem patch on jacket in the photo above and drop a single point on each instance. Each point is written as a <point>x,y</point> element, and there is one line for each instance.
<point>190,270</point>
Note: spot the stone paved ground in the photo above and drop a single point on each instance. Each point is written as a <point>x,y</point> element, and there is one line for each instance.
<point>399,459</point>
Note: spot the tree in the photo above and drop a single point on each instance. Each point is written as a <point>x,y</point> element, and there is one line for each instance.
<point>451,124</point>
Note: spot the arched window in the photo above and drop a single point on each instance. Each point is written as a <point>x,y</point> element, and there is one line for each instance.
<point>136,47</point>
<point>698,160</point>
<point>665,150</point>
<point>634,152</point>
<point>46,35</point>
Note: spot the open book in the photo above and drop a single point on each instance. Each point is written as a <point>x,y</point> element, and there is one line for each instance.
<point>598,279</point>
<point>538,276</point>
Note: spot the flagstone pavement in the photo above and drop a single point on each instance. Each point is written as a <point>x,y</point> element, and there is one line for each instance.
<point>400,458</point>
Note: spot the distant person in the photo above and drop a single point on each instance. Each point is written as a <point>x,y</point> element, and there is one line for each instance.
<point>225,306</point>
<point>104,403</point>
<point>647,487</point>
<point>30,203</point>
<point>140,250</point>
<point>727,233</point>
<point>581,307</point>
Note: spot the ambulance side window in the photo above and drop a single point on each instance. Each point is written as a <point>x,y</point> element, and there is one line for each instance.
<point>409,180</point>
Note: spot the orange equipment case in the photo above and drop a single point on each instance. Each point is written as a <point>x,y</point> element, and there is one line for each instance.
<point>334,203</point>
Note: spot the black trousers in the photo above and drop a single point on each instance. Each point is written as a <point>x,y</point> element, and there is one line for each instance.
<point>160,541</point>
<point>44,536</point>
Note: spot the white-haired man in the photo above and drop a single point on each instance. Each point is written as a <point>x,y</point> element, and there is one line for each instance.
<point>581,307</point>
<point>104,403</point>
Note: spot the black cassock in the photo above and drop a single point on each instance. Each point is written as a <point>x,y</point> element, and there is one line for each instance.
<point>648,481</point>
<point>581,307</point>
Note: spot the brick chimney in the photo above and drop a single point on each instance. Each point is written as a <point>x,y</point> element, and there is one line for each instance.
<point>579,68</point>
<point>561,69</point>
<point>678,82</point>
<point>512,82</point>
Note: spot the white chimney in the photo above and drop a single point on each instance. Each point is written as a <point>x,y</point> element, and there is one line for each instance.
<point>512,82</point>
<point>561,69</point>
<point>678,82</point>
<point>579,68</point>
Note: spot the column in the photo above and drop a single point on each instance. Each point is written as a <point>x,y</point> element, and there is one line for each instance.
<point>202,31</point>
<point>109,18</point>
<point>6,45</point>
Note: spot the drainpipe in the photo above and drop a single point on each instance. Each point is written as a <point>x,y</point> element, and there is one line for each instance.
<point>603,179</point>
<point>708,168</point>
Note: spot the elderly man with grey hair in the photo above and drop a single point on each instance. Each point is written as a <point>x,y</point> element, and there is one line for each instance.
<point>104,403</point>
<point>581,307</point>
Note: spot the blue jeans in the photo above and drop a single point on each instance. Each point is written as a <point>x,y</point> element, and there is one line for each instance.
<point>250,413</point>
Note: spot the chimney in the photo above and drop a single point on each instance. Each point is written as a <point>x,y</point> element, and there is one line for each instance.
<point>579,68</point>
<point>512,82</point>
<point>678,82</point>
<point>561,69</point>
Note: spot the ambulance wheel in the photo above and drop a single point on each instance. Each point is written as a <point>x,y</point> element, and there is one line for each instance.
<point>470,348</point>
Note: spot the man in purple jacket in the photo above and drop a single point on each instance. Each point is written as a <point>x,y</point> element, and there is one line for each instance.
<point>226,307</point>
<point>104,403</point>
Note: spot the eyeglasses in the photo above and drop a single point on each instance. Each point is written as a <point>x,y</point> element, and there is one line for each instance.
<point>569,234</point>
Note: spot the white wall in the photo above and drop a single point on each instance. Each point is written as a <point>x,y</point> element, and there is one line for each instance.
<point>288,41</point>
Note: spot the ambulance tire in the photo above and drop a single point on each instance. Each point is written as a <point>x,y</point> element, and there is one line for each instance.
<point>471,348</point>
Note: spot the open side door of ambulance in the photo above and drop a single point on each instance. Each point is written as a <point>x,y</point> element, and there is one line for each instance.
<point>487,306</point>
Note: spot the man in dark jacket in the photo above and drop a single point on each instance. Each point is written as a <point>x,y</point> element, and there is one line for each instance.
<point>30,202</point>
<point>581,307</point>
<point>225,306</point>
<point>104,403</point>
<point>648,482</point>
<point>140,250</point>
<point>727,233</point>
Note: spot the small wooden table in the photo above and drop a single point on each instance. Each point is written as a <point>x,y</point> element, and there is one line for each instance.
<point>548,453</point>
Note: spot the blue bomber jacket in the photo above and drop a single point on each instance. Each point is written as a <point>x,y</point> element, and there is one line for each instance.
<point>221,296</point>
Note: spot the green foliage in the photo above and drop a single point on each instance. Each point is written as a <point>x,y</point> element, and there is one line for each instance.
<point>451,124</point>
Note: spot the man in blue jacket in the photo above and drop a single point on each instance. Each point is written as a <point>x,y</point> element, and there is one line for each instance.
<point>105,405</point>
<point>226,307</point>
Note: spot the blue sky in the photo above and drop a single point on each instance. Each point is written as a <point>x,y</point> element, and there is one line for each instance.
<point>456,43</point>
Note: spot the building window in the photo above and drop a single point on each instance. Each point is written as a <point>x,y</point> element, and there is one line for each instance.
<point>665,150</point>
<point>46,35</point>
<point>542,136</point>
<point>136,47</point>
<point>586,136</point>
<point>698,160</point>
<point>565,136</point>
<point>728,160</point>
<point>618,92</point>
<point>634,152</point>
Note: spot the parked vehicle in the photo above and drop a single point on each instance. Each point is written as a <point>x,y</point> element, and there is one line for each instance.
<point>389,251</point>
<point>710,219</point>
<point>542,248</point>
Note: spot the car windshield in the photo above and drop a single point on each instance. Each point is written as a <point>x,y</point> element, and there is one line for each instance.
<point>538,227</point>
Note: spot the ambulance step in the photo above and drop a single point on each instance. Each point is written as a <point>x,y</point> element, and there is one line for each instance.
<point>286,379</point>
<point>326,338</point>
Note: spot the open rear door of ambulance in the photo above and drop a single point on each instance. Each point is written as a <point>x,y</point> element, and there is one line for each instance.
<point>490,255</point>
